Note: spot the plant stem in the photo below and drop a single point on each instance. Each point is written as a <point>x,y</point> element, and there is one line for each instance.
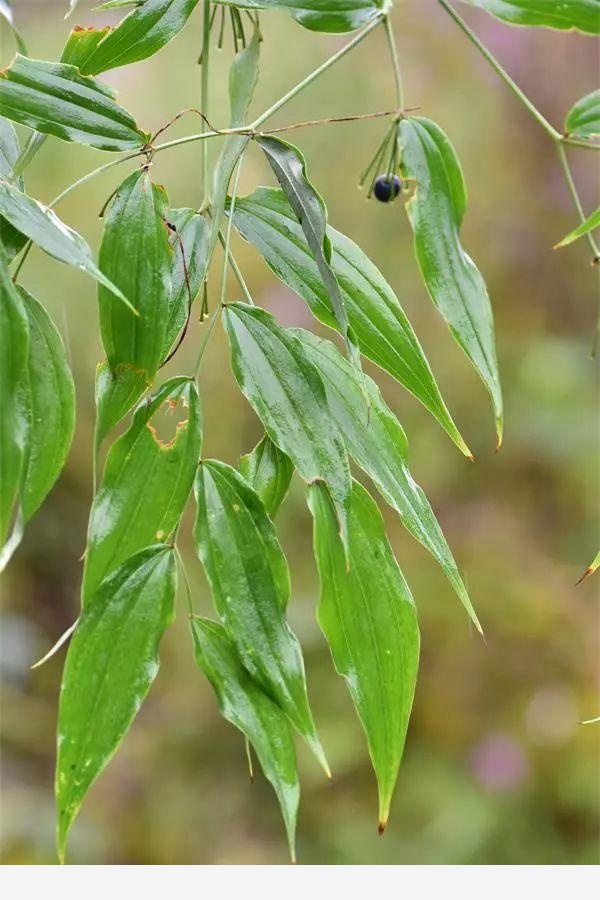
<point>573,189</point>
<point>228,233</point>
<point>395,61</point>
<point>237,271</point>
<point>27,154</point>
<point>554,134</point>
<point>204,94</point>
<point>316,73</point>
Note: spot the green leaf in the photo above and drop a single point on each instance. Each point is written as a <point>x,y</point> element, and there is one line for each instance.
<point>583,119</point>
<point>12,240</point>
<point>14,396</point>
<point>81,44</point>
<point>377,442</point>
<point>368,617</point>
<point>455,285</point>
<point>51,405</point>
<point>111,664</point>
<point>147,481</point>
<point>250,584</point>
<point>243,76</point>
<point>54,98</point>
<point>289,167</point>
<point>136,231</point>
<point>584,15</point>
<point>269,472</point>
<point>287,393</point>
<point>246,706</point>
<point>189,262</point>
<point>333,16</point>
<point>143,32</point>
<point>7,15</point>
<point>383,332</point>
<point>593,566</point>
<point>116,394</point>
<point>592,222</point>
<point>41,225</point>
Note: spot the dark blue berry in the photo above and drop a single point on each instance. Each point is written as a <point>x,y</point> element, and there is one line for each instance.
<point>386,188</point>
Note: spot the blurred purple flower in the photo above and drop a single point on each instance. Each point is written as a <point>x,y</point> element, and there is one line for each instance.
<point>498,763</point>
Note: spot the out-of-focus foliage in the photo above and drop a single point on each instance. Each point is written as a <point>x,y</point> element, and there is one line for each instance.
<point>497,768</point>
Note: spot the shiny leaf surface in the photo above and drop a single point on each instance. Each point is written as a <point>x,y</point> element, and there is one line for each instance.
<point>147,481</point>
<point>249,580</point>
<point>246,706</point>
<point>334,16</point>
<point>383,332</point>
<point>454,283</point>
<point>12,240</point>
<point>136,231</point>
<point>54,98</point>
<point>377,442</point>
<point>286,391</point>
<point>583,15</point>
<point>583,119</point>
<point>81,44</point>
<point>269,472</point>
<point>111,664</point>
<point>368,616</point>
<point>51,402</point>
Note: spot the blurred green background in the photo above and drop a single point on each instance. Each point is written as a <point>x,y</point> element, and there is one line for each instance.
<point>498,768</point>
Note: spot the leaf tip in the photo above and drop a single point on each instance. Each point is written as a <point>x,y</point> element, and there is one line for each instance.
<point>589,571</point>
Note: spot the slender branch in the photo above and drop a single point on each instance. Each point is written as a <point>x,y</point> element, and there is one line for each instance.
<point>237,271</point>
<point>395,61</point>
<point>573,189</point>
<point>204,94</point>
<point>228,233</point>
<point>316,73</point>
<point>35,142</point>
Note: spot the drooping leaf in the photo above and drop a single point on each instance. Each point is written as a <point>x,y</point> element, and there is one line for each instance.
<point>377,442</point>
<point>583,119</point>
<point>243,76</point>
<point>383,332</point>
<point>454,283</point>
<point>245,705</point>
<point>116,393</point>
<point>12,240</point>
<point>81,44</point>
<point>250,584</point>
<point>54,98</point>
<point>268,471</point>
<point>333,16</point>
<point>592,222</point>
<point>111,664</point>
<point>7,14</point>
<point>287,393</point>
<point>369,619</point>
<point>14,399</point>
<point>147,481</point>
<point>136,232</point>
<point>142,33</point>
<point>583,15</point>
<point>51,402</point>
<point>44,228</point>
<point>289,167</point>
<point>189,242</point>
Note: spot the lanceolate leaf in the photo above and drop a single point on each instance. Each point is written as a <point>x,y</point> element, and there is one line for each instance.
<point>583,119</point>
<point>111,664</point>
<point>243,76</point>
<point>146,483</point>
<point>382,331</point>
<point>12,240</point>
<point>51,403</point>
<point>592,222</point>
<point>136,234</point>
<point>44,228</point>
<point>269,471</point>
<point>246,706</point>
<point>321,15</point>
<point>565,15</point>
<point>369,619</point>
<point>376,440</point>
<point>289,167</point>
<point>54,98</point>
<point>593,566</point>
<point>144,31</point>
<point>189,242</point>
<point>287,393</point>
<point>7,14</point>
<point>250,584</point>
<point>14,401</point>
<point>81,44</point>
<point>436,211</point>
<point>116,393</point>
